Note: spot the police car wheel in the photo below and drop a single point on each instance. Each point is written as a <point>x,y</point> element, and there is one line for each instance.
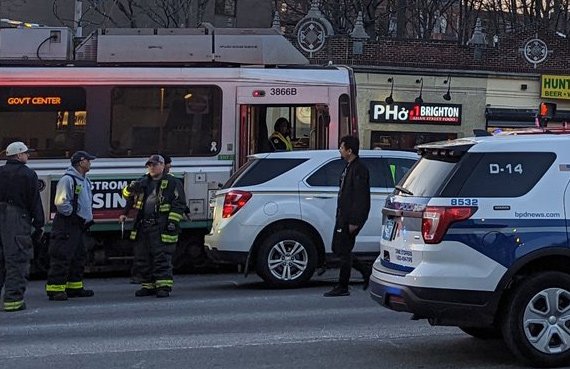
<point>286,258</point>
<point>536,322</point>
<point>483,333</point>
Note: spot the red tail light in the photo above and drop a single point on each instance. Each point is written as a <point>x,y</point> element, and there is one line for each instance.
<point>233,201</point>
<point>437,219</point>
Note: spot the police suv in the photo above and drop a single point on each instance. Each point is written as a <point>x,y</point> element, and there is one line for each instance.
<point>476,236</point>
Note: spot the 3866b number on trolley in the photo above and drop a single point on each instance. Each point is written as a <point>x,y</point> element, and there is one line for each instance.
<point>283,91</point>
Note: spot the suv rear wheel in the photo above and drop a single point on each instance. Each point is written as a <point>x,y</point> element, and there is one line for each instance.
<point>286,258</point>
<point>536,324</point>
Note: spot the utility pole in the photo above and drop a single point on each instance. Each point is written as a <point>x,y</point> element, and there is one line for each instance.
<point>77,18</point>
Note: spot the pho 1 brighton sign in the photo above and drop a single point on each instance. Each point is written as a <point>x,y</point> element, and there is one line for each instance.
<point>413,113</point>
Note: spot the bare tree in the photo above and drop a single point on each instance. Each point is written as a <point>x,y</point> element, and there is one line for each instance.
<point>138,13</point>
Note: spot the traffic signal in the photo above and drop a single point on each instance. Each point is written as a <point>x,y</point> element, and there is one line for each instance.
<point>545,113</point>
<point>546,110</point>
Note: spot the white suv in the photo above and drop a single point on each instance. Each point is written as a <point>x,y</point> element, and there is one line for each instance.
<point>476,236</point>
<point>277,212</point>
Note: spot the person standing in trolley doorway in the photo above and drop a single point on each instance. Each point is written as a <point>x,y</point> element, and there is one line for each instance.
<point>160,202</point>
<point>20,209</point>
<point>74,216</point>
<point>279,139</point>
<point>353,206</point>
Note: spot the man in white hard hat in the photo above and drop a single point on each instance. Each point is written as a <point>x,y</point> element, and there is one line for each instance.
<point>20,210</point>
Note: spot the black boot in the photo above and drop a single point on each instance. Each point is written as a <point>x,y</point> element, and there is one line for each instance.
<point>163,292</point>
<point>145,292</point>
<point>57,296</point>
<point>337,291</point>
<point>79,292</point>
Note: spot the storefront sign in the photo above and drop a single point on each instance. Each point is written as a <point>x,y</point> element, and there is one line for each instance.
<point>555,87</point>
<point>412,113</point>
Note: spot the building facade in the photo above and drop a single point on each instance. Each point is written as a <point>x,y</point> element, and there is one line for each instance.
<point>409,91</point>
<point>413,91</point>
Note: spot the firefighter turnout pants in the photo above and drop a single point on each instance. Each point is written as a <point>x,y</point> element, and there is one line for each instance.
<point>15,254</point>
<point>153,258</point>
<point>67,255</point>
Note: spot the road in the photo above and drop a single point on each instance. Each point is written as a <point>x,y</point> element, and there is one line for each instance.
<point>227,321</point>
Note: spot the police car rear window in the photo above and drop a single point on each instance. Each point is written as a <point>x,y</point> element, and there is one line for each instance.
<point>427,177</point>
<point>259,171</point>
<point>498,174</point>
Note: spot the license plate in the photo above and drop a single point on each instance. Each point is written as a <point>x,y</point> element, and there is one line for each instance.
<point>388,231</point>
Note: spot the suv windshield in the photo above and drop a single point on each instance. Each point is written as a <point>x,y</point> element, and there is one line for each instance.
<point>258,171</point>
<point>427,176</point>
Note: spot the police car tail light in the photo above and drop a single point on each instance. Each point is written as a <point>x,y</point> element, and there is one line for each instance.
<point>437,219</point>
<point>233,201</point>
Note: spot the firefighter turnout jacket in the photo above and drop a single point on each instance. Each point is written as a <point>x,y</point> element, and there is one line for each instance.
<point>169,207</point>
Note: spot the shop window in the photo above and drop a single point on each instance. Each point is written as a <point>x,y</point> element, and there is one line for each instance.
<point>390,140</point>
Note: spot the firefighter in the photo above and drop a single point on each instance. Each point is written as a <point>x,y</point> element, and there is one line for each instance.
<point>159,201</point>
<point>280,139</point>
<point>74,216</point>
<point>20,209</point>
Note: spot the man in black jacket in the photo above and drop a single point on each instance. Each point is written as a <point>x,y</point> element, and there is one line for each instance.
<point>353,205</point>
<point>20,209</point>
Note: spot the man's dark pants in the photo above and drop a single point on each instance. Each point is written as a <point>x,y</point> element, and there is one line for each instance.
<point>342,245</point>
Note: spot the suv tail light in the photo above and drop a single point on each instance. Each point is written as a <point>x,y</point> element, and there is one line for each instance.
<point>437,219</point>
<point>233,201</point>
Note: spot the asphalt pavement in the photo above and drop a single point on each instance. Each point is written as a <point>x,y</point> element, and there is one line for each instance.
<point>228,321</point>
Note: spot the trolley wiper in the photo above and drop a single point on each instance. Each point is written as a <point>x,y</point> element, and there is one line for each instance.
<point>404,190</point>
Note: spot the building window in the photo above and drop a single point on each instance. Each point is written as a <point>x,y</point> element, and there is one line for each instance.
<point>226,8</point>
<point>391,140</point>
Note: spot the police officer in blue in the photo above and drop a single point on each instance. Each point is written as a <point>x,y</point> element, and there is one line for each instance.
<point>74,216</point>
<point>20,209</point>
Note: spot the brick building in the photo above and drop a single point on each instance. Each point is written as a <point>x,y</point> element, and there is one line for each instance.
<point>461,88</point>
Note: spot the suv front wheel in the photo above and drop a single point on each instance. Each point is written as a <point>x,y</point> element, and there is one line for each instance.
<point>286,258</point>
<point>536,324</point>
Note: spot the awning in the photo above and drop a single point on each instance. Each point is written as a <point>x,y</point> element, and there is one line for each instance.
<point>519,118</point>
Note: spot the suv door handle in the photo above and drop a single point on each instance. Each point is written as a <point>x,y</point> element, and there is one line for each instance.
<point>323,197</point>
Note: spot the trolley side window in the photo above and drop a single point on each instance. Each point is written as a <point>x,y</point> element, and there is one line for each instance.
<point>175,120</point>
<point>51,120</point>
